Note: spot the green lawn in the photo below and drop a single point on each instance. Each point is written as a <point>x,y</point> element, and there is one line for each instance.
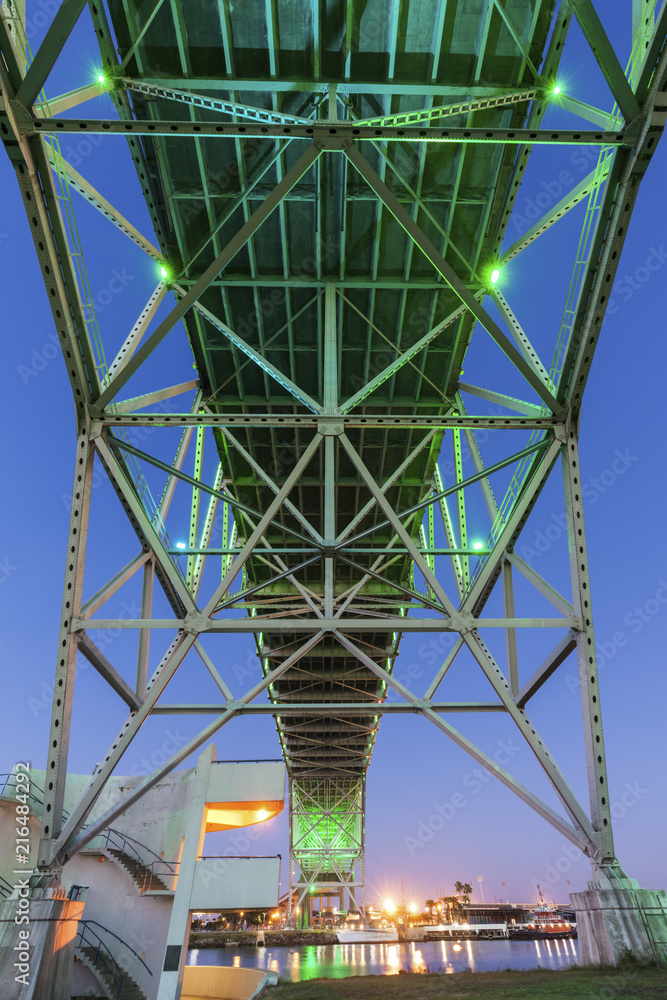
<point>573,984</point>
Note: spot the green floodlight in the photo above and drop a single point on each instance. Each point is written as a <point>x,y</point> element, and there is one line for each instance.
<point>477,546</point>
<point>164,272</point>
<point>556,90</point>
<point>101,78</point>
<point>495,274</point>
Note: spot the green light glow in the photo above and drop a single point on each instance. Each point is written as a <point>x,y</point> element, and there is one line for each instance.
<point>163,271</point>
<point>556,90</point>
<point>495,274</point>
<point>100,78</point>
<point>477,546</point>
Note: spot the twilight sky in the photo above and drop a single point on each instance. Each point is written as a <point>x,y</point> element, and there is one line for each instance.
<point>432,816</point>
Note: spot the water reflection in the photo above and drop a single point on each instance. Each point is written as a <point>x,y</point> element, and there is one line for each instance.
<point>337,961</point>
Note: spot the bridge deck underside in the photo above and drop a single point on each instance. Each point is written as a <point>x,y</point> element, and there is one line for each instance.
<point>331,229</point>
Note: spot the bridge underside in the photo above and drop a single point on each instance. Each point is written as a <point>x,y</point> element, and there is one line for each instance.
<point>330,193</point>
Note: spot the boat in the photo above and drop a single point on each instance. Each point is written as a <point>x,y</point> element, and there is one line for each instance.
<point>547,922</point>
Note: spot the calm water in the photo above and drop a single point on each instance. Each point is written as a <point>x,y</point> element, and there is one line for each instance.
<point>339,960</point>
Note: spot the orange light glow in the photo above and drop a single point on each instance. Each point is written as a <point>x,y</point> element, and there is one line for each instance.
<point>231,815</point>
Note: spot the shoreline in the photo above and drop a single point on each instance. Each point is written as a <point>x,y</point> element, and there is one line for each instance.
<point>278,939</point>
<point>286,938</point>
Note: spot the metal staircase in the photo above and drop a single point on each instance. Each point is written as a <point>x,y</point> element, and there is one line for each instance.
<point>142,875</point>
<point>93,947</point>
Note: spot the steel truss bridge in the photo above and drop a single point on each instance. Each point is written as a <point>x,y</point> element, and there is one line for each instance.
<point>330,192</point>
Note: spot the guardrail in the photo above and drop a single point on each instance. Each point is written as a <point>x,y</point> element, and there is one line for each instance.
<point>165,871</point>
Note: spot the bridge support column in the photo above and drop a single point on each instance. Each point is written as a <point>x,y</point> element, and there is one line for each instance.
<point>37,938</point>
<point>613,920</point>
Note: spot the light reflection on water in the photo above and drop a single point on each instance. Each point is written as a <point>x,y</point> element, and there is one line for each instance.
<point>335,961</point>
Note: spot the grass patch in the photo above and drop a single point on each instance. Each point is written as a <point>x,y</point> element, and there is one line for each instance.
<point>635,980</point>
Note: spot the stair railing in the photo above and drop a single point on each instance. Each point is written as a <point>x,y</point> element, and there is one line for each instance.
<point>102,956</point>
<point>126,845</point>
<point>109,837</point>
<point>86,935</point>
<point>163,870</point>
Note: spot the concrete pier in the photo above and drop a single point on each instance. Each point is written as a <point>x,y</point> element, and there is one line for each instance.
<point>615,919</point>
<point>37,954</point>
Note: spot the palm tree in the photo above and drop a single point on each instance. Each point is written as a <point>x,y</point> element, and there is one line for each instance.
<point>464,889</point>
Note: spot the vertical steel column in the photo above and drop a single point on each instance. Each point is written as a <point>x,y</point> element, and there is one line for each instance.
<point>290,883</point>
<point>61,715</point>
<point>588,671</point>
<point>330,399</point>
<point>362,856</point>
<point>145,633</point>
<point>510,633</point>
<point>461,505</point>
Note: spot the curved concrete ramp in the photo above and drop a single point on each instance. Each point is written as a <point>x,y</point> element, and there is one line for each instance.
<point>219,982</point>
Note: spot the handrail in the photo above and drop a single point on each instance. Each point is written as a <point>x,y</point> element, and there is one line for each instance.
<point>75,891</point>
<point>31,795</point>
<point>265,760</point>
<point>101,952</point>
<point>237,857</point>
<point>87,923</point>
<point>6,888</point>
<point>152,871</point>
<point>126,840</point>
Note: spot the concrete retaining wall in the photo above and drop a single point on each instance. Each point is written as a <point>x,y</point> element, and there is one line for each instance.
<point>216,982</point>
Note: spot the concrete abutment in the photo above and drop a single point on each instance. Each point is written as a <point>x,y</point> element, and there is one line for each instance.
<point>613,920</point>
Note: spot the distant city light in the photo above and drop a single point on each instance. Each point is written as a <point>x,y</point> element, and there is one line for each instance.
<point>181,545</point>
<point>495,274</point>
<point>477,546</point>
<point>413,908</point>
<point>389,905</point>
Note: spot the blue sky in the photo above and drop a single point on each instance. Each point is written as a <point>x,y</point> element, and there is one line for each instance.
<point>431,818</point>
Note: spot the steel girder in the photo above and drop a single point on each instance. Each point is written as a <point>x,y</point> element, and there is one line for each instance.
<point>328,611</point>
